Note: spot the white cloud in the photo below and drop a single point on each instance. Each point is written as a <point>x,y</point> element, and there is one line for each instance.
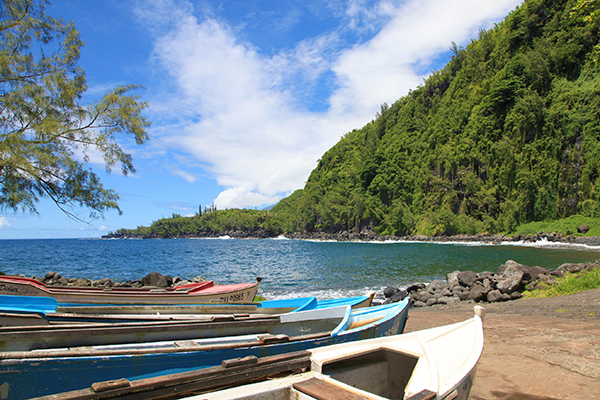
<point>5,223</point>
<point>185,175</point>
<point>240,112</point>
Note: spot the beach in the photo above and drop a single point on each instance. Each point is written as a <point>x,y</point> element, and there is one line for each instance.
<point>535,349</point>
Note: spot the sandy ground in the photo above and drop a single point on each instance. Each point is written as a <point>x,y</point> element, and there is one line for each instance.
<point>535,349</point>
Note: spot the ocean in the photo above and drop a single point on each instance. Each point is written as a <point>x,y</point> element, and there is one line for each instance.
<point>289,268</point>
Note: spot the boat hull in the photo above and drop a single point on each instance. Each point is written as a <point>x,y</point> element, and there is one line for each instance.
<point>30,377</point>
<point>205,292</point>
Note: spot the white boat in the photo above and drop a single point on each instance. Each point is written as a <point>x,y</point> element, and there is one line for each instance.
<point>438,363</point>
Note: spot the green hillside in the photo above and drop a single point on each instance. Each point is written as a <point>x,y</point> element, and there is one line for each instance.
<point>506,134</point>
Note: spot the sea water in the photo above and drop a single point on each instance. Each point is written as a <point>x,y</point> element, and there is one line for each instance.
<point>289,268</point>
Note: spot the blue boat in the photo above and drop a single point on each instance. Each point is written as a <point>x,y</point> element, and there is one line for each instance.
<point>43,372</point>
<point>37,310</point>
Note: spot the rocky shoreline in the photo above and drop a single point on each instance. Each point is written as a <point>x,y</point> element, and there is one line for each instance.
<point>508,283</point>
<point>368,236</point>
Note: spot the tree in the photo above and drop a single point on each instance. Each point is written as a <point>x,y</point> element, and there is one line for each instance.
<point>46,133</point>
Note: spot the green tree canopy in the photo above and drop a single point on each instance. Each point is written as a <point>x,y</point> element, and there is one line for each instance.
<point>46,133</point>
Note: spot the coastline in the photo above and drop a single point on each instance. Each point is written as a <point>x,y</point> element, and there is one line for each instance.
<point>542,237</point>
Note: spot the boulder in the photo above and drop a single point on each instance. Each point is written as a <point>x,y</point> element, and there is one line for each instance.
<point>467,278</point>
<point>154,279</point>
<point>419,304</point>
<point>452,279</point>
<point>510,281</point>
<point>63,281</point>
<point>397,297</point>
<point>511,263</point>
<point>583,228</point>
<point>477,293</point>
<point>423,296</point>
<point>390,291</point>
<point>463,294</point>
<point>431,302</point>
<point>83,282</point>
<point>570,267</point>
<point>415,287</point>
<point>535,272</point>
<point>495,296</point>
<point>446,300</point>
<point>105,282</point>
<point>50,275</point>
<point>485,275</point>
<point>199,279</point>
<point>436,286</point>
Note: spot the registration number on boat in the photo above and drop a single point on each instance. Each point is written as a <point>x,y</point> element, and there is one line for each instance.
<point>232,298</point>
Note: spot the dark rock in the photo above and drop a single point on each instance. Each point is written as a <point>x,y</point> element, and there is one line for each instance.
<point>572,268</point>
<point>436,286</point>
<point>199,279</point>
<point>390,291</point>
<point>431,302</point>
<point>583,228</point>
<point>467,278</point>
<point>50,275</point>
<point>105,282</point>
<point>446,300</point>
<point>462,295</point>
<point>401,295</point>
<point>477,293</point>
<point>535,272</point>
<point>154,279</point>
<point>511,280</point>
<point>547,279</point>
<point>415,287</point>
<point>495,296</point>
<point>63,281</point>
<point>485,275</point>
<point>424,296</point>
<point>83,282</point>
<point>515,295</point>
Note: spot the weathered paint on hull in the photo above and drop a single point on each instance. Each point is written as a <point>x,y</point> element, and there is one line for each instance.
<point>25,378</point>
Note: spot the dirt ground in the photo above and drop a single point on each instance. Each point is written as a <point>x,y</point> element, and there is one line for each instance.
<point>535,349</point>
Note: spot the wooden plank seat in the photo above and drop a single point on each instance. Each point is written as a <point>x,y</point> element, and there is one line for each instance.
<point>322,390</point>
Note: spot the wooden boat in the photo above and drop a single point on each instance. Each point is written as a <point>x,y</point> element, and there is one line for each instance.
<point>36,310</point>
<point>27,374</point>
<point>438,363</point>
<point>203,292</point>
<point>35,337</point>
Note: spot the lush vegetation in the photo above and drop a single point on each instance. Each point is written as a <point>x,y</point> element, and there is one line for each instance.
<point>566,227</point>
<point>569,284</point>
<point>506,134</point>
<point>250,223</point>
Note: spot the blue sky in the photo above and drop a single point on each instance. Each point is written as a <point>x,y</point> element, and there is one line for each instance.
<point>245,96</point>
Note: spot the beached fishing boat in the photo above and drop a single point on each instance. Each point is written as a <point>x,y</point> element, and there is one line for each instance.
<point>36,310</point>
<point>27,374</point>
<point>35,337</point>
<point>438,363</point>
<point>202,292</point>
